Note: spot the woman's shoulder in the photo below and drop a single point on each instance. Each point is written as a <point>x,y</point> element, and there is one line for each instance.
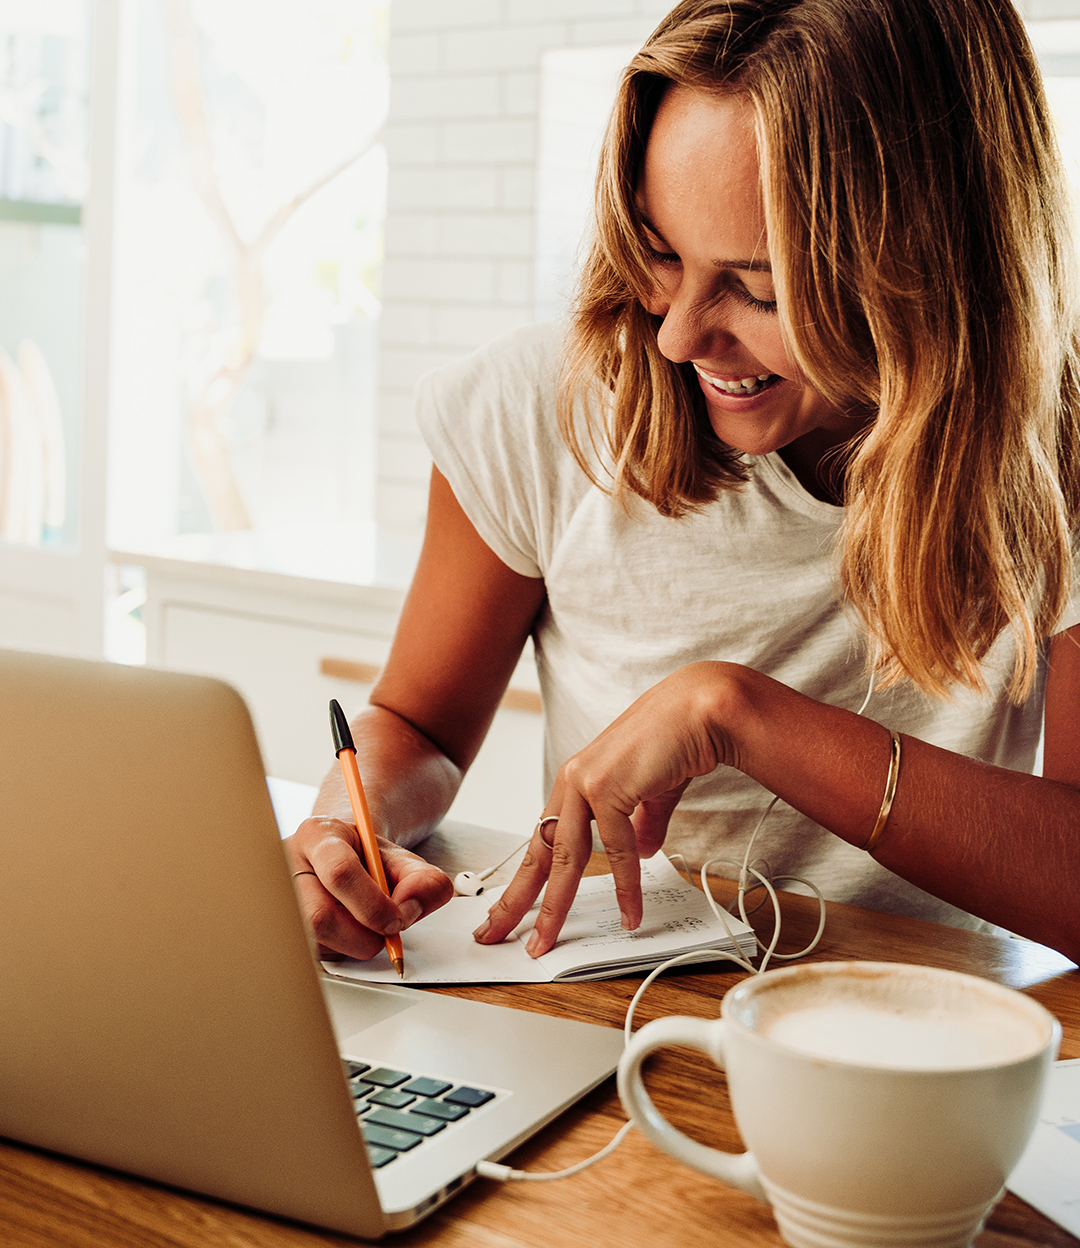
<point>489,421</point>
<point>501,397</point>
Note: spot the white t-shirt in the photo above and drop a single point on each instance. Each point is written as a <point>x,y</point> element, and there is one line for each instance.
<point>633,596</point>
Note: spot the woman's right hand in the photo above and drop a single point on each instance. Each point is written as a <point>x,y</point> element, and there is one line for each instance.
<point>459,637</point>
<point>342,905</point>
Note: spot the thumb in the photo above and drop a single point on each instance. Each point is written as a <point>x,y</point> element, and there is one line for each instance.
<point>651,818</point>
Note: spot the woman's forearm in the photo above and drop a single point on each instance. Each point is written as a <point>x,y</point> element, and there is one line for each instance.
<point>1000,844</point>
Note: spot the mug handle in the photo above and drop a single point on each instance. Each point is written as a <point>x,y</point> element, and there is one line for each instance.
<point>738,1169</point>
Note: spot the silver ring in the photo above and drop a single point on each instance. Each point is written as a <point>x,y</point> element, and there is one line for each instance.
<point>540,828</point>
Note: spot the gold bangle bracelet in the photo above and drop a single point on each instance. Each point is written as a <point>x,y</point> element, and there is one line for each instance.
<point>890,793</point>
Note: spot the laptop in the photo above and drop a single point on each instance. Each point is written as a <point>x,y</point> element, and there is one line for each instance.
<point>162,1012</point>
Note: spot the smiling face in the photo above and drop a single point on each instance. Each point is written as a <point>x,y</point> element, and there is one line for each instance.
<point>700,198</point>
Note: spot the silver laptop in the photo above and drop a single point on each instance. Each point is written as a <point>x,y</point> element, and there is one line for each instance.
<point>160,1009</point>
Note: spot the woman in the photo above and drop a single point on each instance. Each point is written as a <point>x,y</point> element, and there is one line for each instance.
<point>815,415</point>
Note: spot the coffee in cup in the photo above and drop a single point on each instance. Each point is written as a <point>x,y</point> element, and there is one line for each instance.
<point>881,1103</point>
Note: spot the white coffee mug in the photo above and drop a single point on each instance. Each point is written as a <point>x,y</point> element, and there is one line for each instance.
<point>882,1104</point>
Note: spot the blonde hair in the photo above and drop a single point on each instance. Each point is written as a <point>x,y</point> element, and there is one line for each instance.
<point>919,230</point>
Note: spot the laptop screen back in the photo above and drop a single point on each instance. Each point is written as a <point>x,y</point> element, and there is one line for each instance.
<point>141,865</point>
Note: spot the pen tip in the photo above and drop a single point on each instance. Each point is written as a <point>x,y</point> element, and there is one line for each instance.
<point>399,966</point>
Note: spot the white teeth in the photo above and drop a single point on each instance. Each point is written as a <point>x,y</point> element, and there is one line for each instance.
<point>743,386</point>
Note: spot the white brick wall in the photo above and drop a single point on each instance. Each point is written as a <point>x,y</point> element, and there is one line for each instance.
<point>460,233</point>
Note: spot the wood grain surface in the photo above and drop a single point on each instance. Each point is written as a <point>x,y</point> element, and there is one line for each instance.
<point>636,1197</point>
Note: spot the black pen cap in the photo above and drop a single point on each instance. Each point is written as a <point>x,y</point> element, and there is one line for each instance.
<point>339,726</point>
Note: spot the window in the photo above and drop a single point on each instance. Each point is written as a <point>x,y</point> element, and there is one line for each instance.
<point>250,196</point>
<point>1057,45</point>
<point>44,78</point>
<point>577,90</point>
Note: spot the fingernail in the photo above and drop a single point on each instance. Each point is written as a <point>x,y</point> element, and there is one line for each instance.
<point>626,924</point>
<point>532,946</point>
<point>393,927</point>
<point>411,910</point>
<point>482,930</point>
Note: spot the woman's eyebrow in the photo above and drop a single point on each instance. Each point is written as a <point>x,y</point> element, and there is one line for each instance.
<point>745,266</point>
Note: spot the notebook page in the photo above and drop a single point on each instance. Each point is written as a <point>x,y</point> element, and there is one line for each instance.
<point>440,950</point>
<point>676,917</point>
<point>1048,1174</point>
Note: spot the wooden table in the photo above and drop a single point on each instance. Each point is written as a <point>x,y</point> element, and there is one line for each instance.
<point>638,1196</point>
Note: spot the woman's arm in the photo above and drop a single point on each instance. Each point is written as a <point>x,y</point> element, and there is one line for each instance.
<point>1000,844</point>
<point>461,632</point>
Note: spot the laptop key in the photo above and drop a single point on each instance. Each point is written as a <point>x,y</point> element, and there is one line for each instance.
<point>419,1123</point>
<point>380,1156</point>
<point>440,1109</point>
<point>387,1078</point>
<point>353,1068</point>
<point>385,1137</point>
<point>360,1087</point>
<point>390,1099</point>
<point>427,1087</point>
<point>469,1096</point>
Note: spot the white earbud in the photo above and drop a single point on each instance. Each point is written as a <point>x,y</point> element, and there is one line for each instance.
<point>471,883</point>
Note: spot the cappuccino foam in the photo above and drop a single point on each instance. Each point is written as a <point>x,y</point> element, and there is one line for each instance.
<point>934,1039</point>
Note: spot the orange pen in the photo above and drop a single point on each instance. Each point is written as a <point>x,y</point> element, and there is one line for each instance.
<point>346,753</point>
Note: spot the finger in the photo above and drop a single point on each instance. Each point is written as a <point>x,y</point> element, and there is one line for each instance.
<point>309,833</point>
<point>344,876</point>
<point>621,843</point>
<point>418,886</point>
<point>529,879</point>
<point>337,933</point>
<point>531,876</point>
<point>569,856</point>
<point>518,896</point>
<point>652,817</point>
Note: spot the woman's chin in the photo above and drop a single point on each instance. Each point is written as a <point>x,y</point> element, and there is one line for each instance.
<point>744,442</point>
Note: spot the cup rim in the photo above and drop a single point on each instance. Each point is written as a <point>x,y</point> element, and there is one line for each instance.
<point>1036,1012</point>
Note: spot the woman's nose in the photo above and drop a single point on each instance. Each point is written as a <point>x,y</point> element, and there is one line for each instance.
<point>693,329</point>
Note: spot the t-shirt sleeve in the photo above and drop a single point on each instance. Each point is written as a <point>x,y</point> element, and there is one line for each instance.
<point>488,421</point>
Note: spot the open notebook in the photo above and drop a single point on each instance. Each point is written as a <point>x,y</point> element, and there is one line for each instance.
<point>440,949</point>
<point>676,919</point>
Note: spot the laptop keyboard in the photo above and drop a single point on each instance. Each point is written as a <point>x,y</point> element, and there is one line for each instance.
<point>398,1111</point>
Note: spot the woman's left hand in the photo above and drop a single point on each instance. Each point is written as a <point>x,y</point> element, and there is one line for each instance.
<point>629,780</point>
